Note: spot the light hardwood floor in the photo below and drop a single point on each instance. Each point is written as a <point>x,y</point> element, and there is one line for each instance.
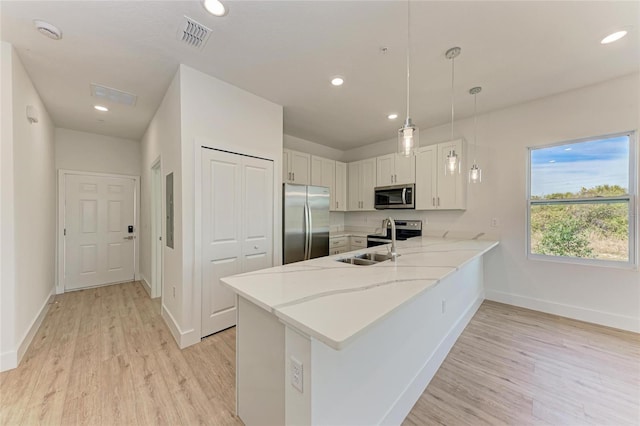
<point>105,356</point>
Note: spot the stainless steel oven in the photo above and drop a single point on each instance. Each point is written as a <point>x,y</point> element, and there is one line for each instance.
<point>395,197</point>
<point>404,229</point>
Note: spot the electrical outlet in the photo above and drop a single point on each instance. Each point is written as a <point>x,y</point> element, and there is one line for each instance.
<point>296,373</point>
<point>444,306</point>
<point>494,222</point>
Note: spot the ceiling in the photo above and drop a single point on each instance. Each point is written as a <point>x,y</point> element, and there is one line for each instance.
<point>287,51</point>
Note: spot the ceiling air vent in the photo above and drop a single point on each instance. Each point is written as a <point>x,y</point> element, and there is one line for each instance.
<point>193,33</point>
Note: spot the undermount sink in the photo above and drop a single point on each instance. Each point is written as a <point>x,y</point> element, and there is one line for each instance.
<point>365,259</point>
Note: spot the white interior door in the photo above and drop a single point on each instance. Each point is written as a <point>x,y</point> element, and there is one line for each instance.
<point>98,247</point>
<point>237,227</point>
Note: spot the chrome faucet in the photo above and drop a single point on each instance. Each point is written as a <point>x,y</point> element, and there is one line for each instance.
<point>392,253</point>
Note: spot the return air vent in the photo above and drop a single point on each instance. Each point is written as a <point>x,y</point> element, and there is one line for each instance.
<point>193,33</point>
<point>113,95</point>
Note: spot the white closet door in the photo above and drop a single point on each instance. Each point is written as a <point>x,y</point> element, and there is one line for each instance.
<point>257,208</point>
<point>237,228</point>
<point>98,247</point>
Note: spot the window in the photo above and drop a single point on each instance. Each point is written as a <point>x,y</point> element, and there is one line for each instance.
<point>581,200</point>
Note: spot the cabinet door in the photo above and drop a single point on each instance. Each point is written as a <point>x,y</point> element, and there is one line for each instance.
<point>385,170</point>
<point>353,192</point>
<point>340,184</point>
<point>300,167</point>
<point>323,173</point>
<point>405,169</point>
<point>286,172</point>
<point>426,177</point>
<point>367,183</point>
<point>450,193</point>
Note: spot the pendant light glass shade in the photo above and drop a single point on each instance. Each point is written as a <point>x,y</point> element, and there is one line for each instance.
<point>452,163</point>
<point>408,139</point>
<point>475,173</point>
<point>408,134</point>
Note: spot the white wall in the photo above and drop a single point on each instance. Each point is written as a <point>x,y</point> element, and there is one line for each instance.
<point>603,295</point>
<point>313,148</point>
<point>218,115</point>
<point>162,140</point>
<point>91,152</point>
<point>200,110</point>
<point>34,195</point>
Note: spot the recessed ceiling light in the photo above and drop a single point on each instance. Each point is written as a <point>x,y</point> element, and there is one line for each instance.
<point>552,161</point>
<point>613,37</point>
<point>337,81</point>
<point>215,7</point>
<point>392,116</point>
<point>48,30</point>
<point>101,108</point>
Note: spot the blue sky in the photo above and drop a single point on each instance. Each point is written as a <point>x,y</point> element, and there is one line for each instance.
<point>567,168</point>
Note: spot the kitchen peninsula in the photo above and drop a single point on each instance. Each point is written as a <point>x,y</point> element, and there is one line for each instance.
<point>325,342</point>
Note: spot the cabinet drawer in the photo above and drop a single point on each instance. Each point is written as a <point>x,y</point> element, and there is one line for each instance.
<point>358,242</point>
<point>338,250</point>
<point>337,242</point>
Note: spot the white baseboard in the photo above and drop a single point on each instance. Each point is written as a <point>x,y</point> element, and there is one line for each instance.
<point>182,338</point>
<point>145,284</point>
<point>412,393</point>
<point>575,312</point>
<point>11,359</point>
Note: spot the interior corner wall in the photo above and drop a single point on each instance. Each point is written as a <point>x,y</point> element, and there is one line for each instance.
<point>34,204</point>
<point>90,152</point>
<point>313,148</point>
<point>8,353</point>
<point>162,139</point>
<point>603,295</point>
<point>219,115</point>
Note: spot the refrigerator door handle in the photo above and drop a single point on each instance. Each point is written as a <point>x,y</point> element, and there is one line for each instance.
<point>310,232</point>
<point>307,230</point>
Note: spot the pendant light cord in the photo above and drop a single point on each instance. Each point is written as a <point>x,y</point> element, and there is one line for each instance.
<point>408,52</point>
<point>453,62</point>
<point>475,126</point>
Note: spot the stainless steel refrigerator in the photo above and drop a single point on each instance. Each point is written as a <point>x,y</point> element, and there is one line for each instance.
<point>305,222</point>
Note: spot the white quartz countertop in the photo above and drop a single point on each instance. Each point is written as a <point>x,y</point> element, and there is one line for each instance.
<point>334,302</point>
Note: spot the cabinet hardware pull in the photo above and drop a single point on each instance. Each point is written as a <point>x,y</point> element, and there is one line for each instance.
<point>294,175</point>
<point>433,201</point>
<point>438,201</point>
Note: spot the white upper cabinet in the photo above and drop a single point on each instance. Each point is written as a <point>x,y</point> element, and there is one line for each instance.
<point>341,187</point>
<point>436,190</point>
<point>333,175</point>
<point>394,169</point>
<point>362,181</point>
<point>296,167</point>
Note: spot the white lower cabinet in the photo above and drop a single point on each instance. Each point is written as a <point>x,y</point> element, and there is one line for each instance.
<point>435,189</point>
<point>357,242</point>
<point>338,245</point>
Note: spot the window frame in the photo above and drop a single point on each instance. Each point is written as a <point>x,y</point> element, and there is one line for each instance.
<point>631,198</point>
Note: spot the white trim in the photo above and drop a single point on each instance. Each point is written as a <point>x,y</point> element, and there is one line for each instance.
<point>145,285</point>
<point>183,338</point>
<point>156,282</point>
<point>607,319</point>
<point>405,402</point>
<point>59,285</point>
<point>10,360</point>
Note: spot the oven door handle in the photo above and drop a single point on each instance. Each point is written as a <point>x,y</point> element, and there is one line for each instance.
<point>379,240</point>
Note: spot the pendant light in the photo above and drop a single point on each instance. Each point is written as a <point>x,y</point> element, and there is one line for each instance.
<point>452,162</point>
<point>408,134</point>
<point>475,173</point>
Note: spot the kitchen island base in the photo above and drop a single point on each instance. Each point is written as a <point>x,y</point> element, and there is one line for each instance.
<point>375,379</point>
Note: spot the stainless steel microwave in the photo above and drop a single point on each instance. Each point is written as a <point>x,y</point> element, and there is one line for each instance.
<point>395,197</point>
